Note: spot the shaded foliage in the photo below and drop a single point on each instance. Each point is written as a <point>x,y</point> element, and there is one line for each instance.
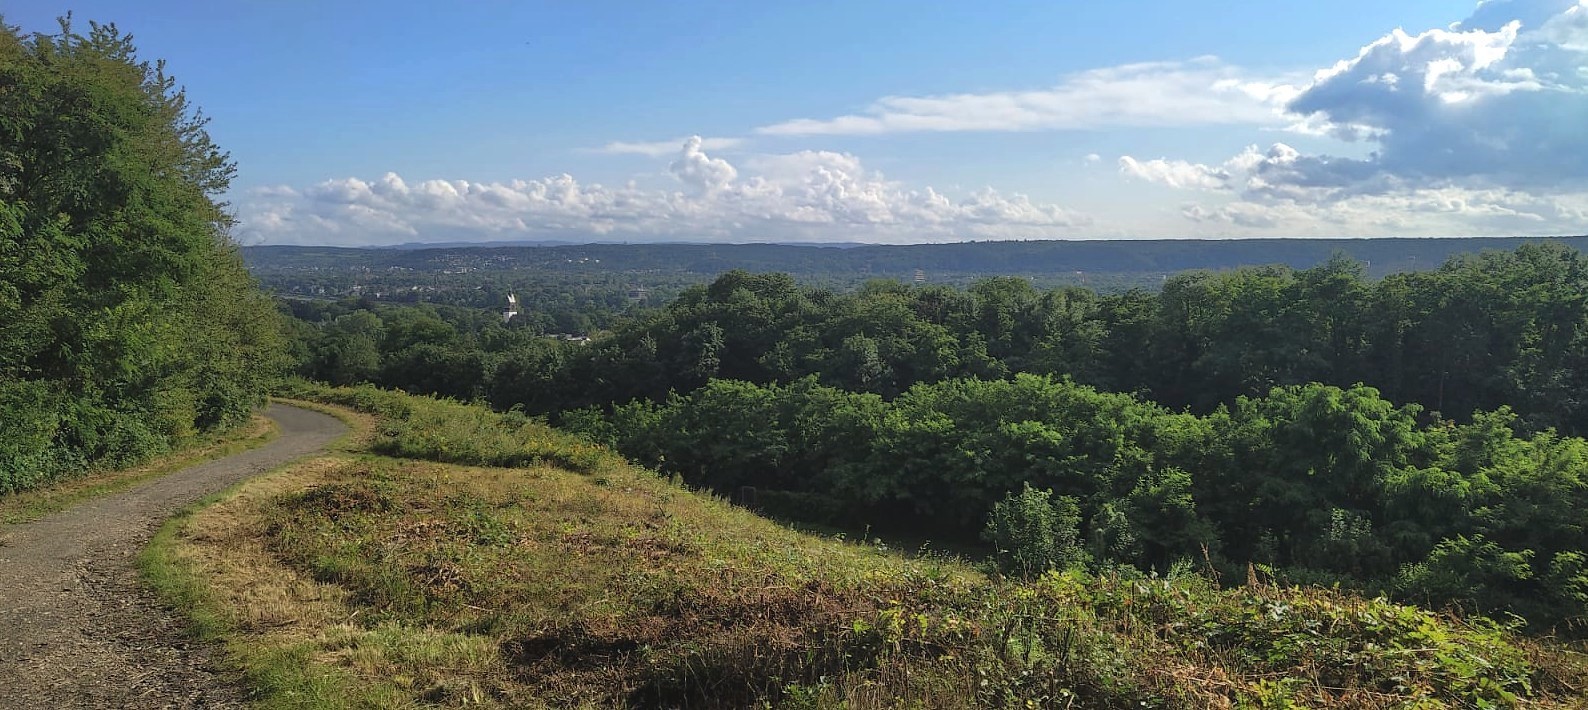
<point>1321,483</point>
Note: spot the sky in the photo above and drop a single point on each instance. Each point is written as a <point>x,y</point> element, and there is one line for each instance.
<point>367,123</point>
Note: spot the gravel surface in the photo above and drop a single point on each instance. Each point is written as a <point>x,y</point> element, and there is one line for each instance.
<point>77,630</point>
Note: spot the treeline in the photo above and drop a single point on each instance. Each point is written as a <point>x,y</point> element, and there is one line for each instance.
<point>127,321</point>
<point>1410,435</point>
<point>1481,332</point>
<point>549,302</point>
<point>444,350</point>
<point>1315,482</point>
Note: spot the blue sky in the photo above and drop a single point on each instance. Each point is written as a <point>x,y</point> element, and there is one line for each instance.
<point>371,123</point>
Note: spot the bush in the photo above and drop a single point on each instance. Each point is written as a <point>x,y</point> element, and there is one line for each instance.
<point>1035,532</point>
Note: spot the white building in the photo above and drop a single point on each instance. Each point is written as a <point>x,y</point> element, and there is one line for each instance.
<point>512,308</point>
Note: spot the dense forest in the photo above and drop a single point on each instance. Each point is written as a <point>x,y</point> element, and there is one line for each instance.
<point>1480,332</point>
<point>128,323</point>
<point>1416,434</point>
<point>1405,430</point>
<point>1413,434</point>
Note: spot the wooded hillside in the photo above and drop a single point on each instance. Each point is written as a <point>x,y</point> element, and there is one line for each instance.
<point>127,321</point>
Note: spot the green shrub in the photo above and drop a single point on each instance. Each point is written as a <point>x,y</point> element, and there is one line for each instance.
<point>1035,532</point>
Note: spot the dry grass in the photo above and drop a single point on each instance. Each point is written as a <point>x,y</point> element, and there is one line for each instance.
<point>562,580</point>
<point>537,587</point>
<point>363,580</point>
<point>225,546</point>
<point>36,503</point>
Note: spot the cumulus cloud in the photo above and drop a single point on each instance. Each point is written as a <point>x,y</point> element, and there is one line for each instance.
<point>804,196</point>
<point>1174,173</point>
<point>1568,29</point>
<point>699,171</point>
<point>1202,91</point>
<point>1482,125</point>
<point>1506,104</point>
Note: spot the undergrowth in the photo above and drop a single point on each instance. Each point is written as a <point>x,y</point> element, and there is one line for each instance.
<point>602,585</point>
<point>34,503</point>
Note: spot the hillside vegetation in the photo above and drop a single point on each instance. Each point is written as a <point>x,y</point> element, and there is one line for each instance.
<point>1480,332</point>
<point>127,322</point>
<point>1326,485</point>
<point>1414,436</point>
<point>573,579</point>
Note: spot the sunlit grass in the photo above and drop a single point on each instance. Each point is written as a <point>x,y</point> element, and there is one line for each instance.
<point>362,579</point>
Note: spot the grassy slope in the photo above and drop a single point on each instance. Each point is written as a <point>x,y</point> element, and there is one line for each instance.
<point>36,503</point>
<point>574,580</point>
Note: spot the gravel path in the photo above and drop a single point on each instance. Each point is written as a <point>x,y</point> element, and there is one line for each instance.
<point>77,631</point>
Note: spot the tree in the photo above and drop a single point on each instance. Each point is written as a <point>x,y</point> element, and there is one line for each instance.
<point>1164,520</point>
<point>1035,532</point>
<point>348,350</point>
<point>120,291</point>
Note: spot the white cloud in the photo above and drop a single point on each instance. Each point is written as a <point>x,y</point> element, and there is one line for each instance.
<point>1283,191</point>
<point>1479,128</point>
<point>1446,211</point>
<point>1568,29</point>
<point>805,196</point>
<point>1203,91</point>
<point>1174,173</point>
<point>661,149</point>
<point>1461,104</point>
<point>701,172</point>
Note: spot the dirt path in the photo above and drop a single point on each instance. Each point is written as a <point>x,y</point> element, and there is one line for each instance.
<point>77,631</point>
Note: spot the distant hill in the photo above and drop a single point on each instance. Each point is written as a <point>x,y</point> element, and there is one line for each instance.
<point>1382,256</point>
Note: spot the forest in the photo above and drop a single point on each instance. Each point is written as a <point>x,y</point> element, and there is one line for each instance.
<point>128,324</point>
<point>1415,435</point>
<point>576,288</point>
<point>1142,260</point>
<point>1242,465</point>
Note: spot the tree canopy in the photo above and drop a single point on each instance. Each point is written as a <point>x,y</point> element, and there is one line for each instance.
<point>127,321</point>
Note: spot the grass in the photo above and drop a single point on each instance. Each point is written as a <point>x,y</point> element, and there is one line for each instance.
<point>32,504</point>
<point>450,432</point>
<point>209,561</point>
<point>571,579</point>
